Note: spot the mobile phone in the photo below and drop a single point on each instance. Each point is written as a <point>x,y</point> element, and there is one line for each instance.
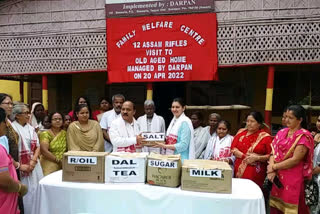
<point>277,182</point>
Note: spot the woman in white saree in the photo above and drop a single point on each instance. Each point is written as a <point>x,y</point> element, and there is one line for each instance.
<point>219,145</point>
<point>29,150</point>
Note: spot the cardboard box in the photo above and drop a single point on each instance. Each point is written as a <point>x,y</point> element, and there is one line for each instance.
<point>206,176</point>
<point>82,166</point>
<point>164,170</point>
<point>150,138</point>
<point>123,167</point>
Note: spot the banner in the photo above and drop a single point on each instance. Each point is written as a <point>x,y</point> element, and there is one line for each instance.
<point>162,48</point>
<point>127,8</point>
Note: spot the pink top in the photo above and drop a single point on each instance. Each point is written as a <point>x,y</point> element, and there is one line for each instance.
<point>71,115</point>
<point>8,201</point>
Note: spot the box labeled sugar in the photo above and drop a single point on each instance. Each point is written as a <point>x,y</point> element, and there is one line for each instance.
<point>80,166</point>
<point>124,167</point>
<point>164,170</point>
<point>206,176</point>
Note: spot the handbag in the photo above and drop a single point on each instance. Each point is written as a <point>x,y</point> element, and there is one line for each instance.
<point>312,192</point>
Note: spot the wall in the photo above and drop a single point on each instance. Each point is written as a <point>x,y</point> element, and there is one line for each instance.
<point>13,88</point>
<point>91,85</point>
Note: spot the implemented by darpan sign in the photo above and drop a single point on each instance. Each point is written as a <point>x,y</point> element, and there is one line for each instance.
<point>82,160</point>
<point>127,8</point>
<point>206,173</point>
<point>163,164</point>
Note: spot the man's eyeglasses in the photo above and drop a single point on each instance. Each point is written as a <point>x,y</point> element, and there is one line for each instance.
<point>9,103</point>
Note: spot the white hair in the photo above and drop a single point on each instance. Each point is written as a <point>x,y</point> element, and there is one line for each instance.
<point>17,109</point>
<point>216,116</point>
<point>118,96</point>
<point>149,103</point>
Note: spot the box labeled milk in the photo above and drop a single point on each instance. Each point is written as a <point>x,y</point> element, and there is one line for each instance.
<point>206,176</point>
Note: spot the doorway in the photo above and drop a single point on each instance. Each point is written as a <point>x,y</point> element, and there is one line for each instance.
<point>163,94</point>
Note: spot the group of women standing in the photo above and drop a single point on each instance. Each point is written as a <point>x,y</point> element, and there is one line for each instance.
<point>36,141</point>
<point>289,159</point>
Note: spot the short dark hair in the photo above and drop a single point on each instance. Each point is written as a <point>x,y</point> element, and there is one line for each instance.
<point>102,99</point>
<point>133,105</point>
<point>180,101</point>
<point>53,113</point>
<point>299,112</point>
<point>198,114</point>
<point>3,115</point>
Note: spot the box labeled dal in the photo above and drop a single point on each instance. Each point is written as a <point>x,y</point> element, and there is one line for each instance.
<point>124,167</point>
<point>150,138</point>
<point>206,176</point>
<point>164,170</point>
<point>80,166</point>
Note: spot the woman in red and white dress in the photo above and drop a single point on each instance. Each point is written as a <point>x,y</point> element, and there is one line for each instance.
<point>219,145</point>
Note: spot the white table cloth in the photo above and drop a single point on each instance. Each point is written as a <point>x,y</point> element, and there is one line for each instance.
<point>58,197</point>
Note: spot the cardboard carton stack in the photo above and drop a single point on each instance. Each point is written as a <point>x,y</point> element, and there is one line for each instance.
<point>164,170</point>
<point>206,176</point>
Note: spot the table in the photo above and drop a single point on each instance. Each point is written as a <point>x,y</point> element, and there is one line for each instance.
<point>58,197</point>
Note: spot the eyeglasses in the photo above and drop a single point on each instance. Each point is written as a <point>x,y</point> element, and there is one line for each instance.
<point>9,104</point>
<point>25,113</point>
<point>56,119</point>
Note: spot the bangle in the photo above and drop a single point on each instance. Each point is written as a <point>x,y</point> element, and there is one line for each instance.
<point>19,188</point>
<point>18,165</point>
<point>243,155</point>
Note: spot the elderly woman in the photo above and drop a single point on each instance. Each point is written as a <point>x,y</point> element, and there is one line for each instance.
<point>10,187</point>
<point>53,143</point>
<point>84,134</point>
<point>291,162</point>
<point>37,116</point>
<point>251,147</point>
<point>29,151</point>
<point>214,119</point>
<point>219,148</point>
<point>201,134</point>
<point>179,139</point>
<point>104,106</point>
